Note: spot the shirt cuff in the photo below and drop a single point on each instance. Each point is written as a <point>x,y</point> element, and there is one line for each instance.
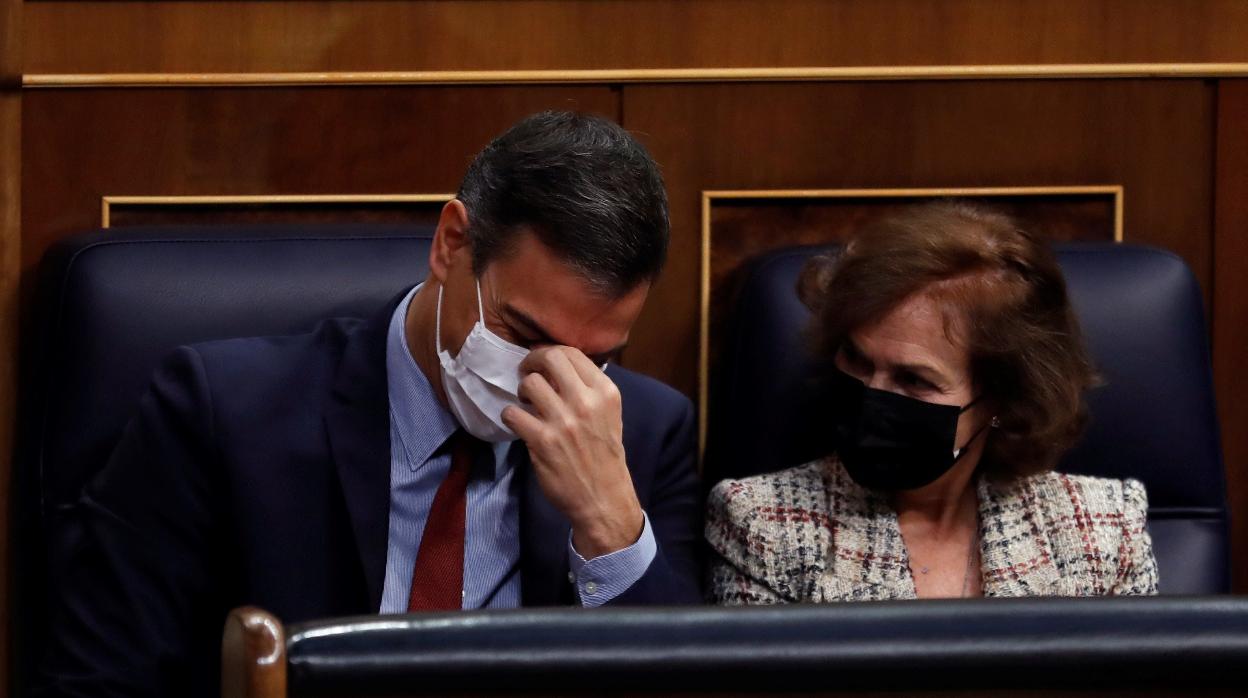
<point>605,577</point>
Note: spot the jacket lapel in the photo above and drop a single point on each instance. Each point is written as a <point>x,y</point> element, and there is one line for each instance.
<point>358,423</point>
<point>543,542</point>
<point>1015,551</point>
<point>867,558</point>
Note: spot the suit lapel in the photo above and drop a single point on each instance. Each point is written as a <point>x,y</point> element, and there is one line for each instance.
<point>1016,553</point>
<point>358,423</point>
<point>543,541</point>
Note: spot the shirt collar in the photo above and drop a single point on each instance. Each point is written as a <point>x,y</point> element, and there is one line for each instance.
<point>417,417</point>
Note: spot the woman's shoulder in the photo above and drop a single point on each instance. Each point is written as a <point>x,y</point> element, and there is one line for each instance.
<point>1076,513</point>
<point>746,498</point>
<point>761,511</point>
<point>1091,531</point>
<point>772,528</point>
<point>1085,495</point>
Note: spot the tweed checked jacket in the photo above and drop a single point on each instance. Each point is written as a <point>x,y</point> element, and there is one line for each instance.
<point>811,534</point>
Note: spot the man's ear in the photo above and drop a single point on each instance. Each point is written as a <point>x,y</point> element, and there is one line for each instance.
<point>450,241</point>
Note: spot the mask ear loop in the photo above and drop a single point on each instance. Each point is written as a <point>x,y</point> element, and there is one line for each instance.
<point>993,423</point>
<point>480,308</point>
<point>437,322</point>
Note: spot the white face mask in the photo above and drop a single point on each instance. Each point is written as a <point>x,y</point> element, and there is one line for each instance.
<point>482,379</point>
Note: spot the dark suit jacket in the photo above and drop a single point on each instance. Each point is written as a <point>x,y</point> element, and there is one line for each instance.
<point>257,471</point>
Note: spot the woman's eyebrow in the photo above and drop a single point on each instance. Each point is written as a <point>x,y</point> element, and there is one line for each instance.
<point>924,370</point>
<point>927,370</point>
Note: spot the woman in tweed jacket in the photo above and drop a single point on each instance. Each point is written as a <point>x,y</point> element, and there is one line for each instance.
<point>958,383</point>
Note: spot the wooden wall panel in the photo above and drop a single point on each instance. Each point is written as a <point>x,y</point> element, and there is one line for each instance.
<point>10,255</point>
<point>744,226</point>
<point>885,135</point>
<point>360,35</point>
<point>276,210</point>
<point>81,145</point>
<point>1230,304</point>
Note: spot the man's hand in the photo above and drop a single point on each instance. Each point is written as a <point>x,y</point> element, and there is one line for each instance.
<point>575,441</point>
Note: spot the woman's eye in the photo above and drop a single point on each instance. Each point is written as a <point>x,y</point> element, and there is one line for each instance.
<point>911,380</point>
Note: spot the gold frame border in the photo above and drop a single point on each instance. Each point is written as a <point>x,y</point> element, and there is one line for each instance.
<point>656,75</point>
<point>709,196</point>
<point>106,202</point>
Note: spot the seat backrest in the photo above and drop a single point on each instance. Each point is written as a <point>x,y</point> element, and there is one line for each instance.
<point>1124,646</point>
<point>111,304</point>
<point>1154,419</point>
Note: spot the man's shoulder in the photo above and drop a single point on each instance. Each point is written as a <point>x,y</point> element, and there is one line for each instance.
<point>246,369</point>
<point>328,336</point>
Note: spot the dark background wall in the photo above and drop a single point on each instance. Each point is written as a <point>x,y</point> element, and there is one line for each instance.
<point>343,97</point>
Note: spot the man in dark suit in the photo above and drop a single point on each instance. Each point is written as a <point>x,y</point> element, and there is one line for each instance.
<point>469,447</point>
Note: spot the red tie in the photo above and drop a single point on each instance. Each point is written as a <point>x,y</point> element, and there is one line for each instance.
<point>438,577</point>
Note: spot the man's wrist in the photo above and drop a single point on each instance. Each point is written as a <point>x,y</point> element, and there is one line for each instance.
<point>607,534</point>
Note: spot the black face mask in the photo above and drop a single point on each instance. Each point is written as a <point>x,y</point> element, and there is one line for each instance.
<point>892,442</point>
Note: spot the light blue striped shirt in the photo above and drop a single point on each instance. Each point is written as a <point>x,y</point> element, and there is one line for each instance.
<point>419,427</point>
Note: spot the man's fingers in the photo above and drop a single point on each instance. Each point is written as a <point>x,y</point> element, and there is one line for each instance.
<point>525,425</point>
<point>589,373</point>
<point>535,390</point>
<point>553,363</point>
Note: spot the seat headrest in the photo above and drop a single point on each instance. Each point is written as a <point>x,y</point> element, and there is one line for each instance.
<point>114,302</point>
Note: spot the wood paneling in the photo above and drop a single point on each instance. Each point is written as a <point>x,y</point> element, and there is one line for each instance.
<point>10,266</point>
<point>885,135</point>
<point>313,210</point>
<point>1230,305</point>
<point>742,227</point>
<point>83,145</point>
<point>347,35</point>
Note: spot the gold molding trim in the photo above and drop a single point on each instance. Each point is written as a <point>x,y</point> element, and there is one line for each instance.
<point>710,196</point>
<point>106,202</point>
<point>655,75</point>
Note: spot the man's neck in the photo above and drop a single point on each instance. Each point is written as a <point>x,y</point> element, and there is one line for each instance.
<point>418,331</point>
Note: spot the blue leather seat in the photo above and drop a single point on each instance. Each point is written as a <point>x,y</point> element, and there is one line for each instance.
<point>112,303</point>
<point>1154,418</point>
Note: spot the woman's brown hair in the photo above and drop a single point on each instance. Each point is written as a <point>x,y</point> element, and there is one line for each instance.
<point>1006,304</point>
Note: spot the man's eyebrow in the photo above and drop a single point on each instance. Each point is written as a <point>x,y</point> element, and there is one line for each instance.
<point>532,326</point>
<point>542,336</point>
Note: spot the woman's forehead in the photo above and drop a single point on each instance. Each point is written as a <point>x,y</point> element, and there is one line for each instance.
<point>917,331</point>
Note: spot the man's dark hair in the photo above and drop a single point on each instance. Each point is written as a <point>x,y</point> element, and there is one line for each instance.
<point>583,185</point>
